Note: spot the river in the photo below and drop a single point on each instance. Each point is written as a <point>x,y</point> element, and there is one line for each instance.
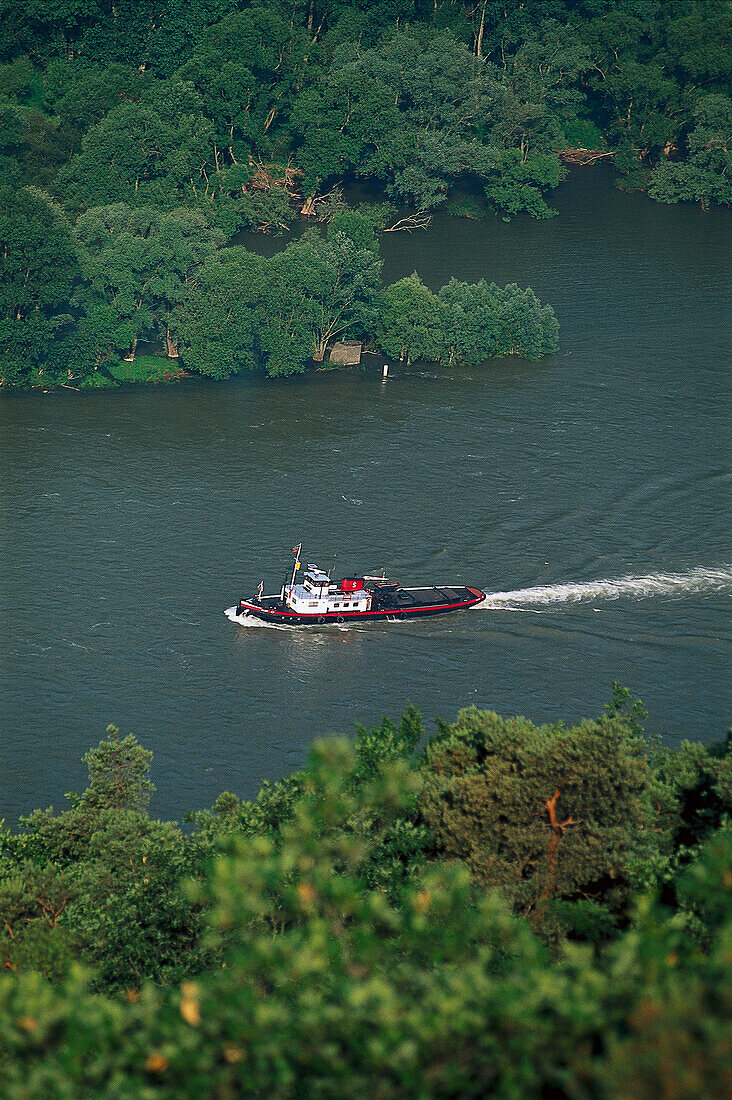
<point>131,519</point>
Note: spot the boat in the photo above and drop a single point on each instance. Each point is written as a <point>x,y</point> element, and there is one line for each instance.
<point>317,600</point>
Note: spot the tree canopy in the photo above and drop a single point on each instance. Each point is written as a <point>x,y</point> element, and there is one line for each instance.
<point>227,116</point>
<point>139,102</point>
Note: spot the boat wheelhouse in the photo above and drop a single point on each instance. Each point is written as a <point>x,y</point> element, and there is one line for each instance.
<point>317,596</point>
<point>318,600</point>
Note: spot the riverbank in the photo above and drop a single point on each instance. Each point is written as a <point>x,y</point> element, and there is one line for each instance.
<point>152,370</point>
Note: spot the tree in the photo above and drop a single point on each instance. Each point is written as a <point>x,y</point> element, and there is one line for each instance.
<point>324,985</point>
<point>526,328</point>
<point>158,152</point>
<point>118,774</point>
<point>244,312</point>
<point>514,183</point>
<point>45,147</point>
<point>12,122</point>
<point>544,88</point>
<point>83,92</point>
<point>42,31</point>
<point>248,196</point>
<point>472,324</point>
<point>347,122</point>
<point>249,67</point>
<point>549,814</point>
<point>706,176</point>
<point>217,323</point>
<point>140,262</point>
<point>410,321</point>
<point>360,226</point>
<point>38,267</point>
<point>316,289</point>
<point>100,881</point>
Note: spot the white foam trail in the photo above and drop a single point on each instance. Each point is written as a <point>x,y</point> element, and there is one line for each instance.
<point>245,620</point>
<point>639,588</point>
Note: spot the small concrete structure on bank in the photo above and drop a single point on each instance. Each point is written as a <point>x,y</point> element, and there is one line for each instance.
<point>347,353</point>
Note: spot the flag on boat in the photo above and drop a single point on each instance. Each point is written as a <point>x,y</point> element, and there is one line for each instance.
<point>296,549</point>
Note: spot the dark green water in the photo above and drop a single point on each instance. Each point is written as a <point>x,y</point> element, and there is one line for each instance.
<point>130,520</point>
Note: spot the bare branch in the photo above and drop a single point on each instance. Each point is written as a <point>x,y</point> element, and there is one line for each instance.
<point>418,220</point>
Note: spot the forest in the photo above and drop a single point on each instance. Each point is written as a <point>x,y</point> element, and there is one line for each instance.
<point>139,138</point>
<point>501,908</point>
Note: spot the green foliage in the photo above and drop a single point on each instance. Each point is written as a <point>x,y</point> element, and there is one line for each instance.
<point>704,884</point>
<point>419,111</point>
<point>154,152</point>
<point>517,183</point>
<point>212,116</point>
<point>330,284</point>
<point>248,69</point>
<point>229,816</point>
<point>37,269</point>
<point>623,705</point>
<point>236,205</point>
<point>394,846</point>
<point>484,320</point>
<point>706,175</point>
<point>83,92</point>
<point>216,323</point>
<point>144,368</point>
<point>12,122</point>
<point>691,787</point>
<point>569,829</point>
<point>156,105</point>
<point>243,312</point>
<point>19,80</point>
<point>100,881</point>
<point>386,743</point>
<point>410,321</point>
<point>360,226</point>
<point>652,65</point>
<point>137,264</point>
<point>472,322</point>
<point>98,380</point>
<point>465,323</point>
<point>466,207</point>
<point>325,985</point>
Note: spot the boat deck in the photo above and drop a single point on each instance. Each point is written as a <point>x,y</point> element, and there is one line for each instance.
<point>424,597</point>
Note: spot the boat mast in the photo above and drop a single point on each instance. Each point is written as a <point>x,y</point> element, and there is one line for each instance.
<point>296,550</point>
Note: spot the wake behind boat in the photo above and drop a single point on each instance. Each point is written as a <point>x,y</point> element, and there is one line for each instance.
<point>317,600</point>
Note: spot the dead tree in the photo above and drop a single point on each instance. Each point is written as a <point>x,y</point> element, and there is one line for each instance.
<point>418,220</point>
<point>557,828</point>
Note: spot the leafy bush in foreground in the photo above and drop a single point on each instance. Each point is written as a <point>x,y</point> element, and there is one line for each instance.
<point>342,932</point>
<point>326,987</point>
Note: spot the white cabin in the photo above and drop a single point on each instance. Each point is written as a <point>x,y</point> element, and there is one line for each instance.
<point>318,596</point>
